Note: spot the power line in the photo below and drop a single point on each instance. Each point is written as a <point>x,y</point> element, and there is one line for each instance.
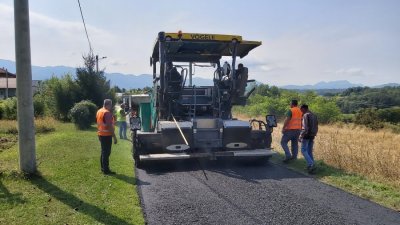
<point>84,24</point>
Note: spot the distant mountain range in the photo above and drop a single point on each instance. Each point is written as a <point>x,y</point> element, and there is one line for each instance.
<point>339,84</point>
<point>387,85</point>
<point>129,81</point>
<point>126,81</point>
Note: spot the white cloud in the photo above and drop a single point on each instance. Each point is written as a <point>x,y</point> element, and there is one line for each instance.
<point>53,41</point>
<point>357,72</point>
<point>354,72</point>
<point>118,63</point>
<point>257,65</point>
<point>7,32</point>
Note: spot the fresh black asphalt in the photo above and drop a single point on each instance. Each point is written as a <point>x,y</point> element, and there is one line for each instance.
<point>194,192</point>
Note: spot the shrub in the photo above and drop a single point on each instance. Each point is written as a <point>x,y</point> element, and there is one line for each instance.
<point>9,108</point>
<point>38,106</point>
<point>369,117</point>
<point>326,110</point>
<point>91,107</point>
<point>62,95</point>
<point>83,114</point>
<point>391,115</point>
<point>347,118</point>
<point>1,110</point>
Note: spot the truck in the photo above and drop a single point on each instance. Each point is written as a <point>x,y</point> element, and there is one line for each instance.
<point>179,120</point>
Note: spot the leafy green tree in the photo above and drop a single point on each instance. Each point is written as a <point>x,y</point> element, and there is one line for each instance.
<point>326,110</point>
<point>59,96</point>
<point>117,89</point>
<point>93,85</point>
<point>369,117</point>
<point>308,97</point>
<point>38,106</point>
<point>275,92</point>
<point>9,108</point>
<point>262,89</point>
<point>391,115</point>
<point>354,99</point>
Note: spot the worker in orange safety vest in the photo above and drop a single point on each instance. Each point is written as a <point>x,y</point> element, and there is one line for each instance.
<point>105,131</point>
<point>291,131</point>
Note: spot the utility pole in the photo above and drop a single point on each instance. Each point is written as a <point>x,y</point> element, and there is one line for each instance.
<point>97,62</point>
<point>6,84</point>
<point>26,126</point>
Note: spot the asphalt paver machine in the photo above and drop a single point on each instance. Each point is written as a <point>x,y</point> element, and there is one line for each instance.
<point>179,120</point>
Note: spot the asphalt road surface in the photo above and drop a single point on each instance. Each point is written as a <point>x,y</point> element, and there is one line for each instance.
<point>194,192</point>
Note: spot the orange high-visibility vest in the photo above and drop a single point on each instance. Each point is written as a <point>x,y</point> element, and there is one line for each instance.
<point>101,126</point>
<point>295,121</point>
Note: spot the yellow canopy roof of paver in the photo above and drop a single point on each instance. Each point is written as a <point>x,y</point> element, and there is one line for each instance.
<point>196,47</point>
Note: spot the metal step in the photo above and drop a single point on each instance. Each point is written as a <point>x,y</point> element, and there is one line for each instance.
<point>238,153</point>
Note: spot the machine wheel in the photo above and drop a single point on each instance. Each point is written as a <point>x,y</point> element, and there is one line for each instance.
<point>136,151</point>
<point>138,163</point>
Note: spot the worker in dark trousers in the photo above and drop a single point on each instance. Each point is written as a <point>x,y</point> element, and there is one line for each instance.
<point>308,132</point>
<point>291,131</point>
<point>105,131</point>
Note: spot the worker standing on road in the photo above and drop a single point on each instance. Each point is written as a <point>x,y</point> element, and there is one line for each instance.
<point>307,135</point>
<point>121,120</point>
<point>105,131</point>
<point>291,131</point>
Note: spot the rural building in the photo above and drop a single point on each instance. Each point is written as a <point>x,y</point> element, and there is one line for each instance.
<point>8,84</point>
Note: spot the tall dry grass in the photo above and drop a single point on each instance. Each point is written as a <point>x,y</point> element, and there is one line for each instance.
<point>42,125</point>
<point>354,149</point>
<point>375,154</point>
<point>9,130</point>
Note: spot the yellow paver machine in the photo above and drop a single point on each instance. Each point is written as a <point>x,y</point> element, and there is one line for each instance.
<point>179,120</point>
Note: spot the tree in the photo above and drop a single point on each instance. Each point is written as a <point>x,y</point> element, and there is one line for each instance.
<point>117,89</point>
<point>262,89</point>
<point>326,110</point>
<point>93,85</point>
<point>354,99</point>
<point>369,117</point>
<point>59,96</point>
<point>308,97</point>
<point>391,115</point>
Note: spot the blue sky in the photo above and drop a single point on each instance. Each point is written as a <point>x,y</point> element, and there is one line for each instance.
<point>304,42</point>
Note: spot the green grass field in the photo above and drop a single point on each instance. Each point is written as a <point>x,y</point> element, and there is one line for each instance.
<point>69,187</point>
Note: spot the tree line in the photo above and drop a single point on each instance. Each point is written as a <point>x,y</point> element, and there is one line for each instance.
<point>380,105</point>
<point>357,98</point>
<point>59,97</point>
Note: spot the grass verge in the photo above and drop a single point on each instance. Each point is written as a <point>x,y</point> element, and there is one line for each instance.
<point>69,188</point>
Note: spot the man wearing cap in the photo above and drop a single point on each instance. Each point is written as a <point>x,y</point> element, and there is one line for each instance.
<point>291,131</point>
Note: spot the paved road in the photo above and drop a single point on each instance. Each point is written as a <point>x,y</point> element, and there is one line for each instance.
<point>195,192</point>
